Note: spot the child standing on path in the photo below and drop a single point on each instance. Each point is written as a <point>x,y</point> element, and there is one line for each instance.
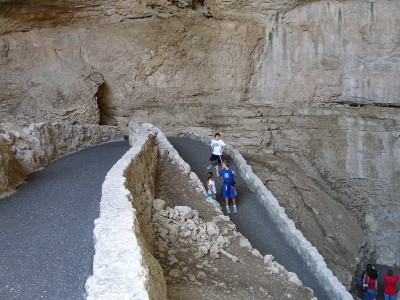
<point>218,147</point>
<point>391,279</point>
<point>371,285</point>
<point>228,188</point>
<point>211,186</point>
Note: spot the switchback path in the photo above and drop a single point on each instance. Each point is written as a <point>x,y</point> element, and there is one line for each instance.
<point>46,227</point>
<point>252,219</point>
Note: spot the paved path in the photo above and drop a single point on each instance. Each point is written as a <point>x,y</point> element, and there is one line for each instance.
<point>252,220</point>
<point>46,227</point>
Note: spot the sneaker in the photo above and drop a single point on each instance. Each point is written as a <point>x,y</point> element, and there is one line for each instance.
<point>209,167</point>
<point>228,211</point>
<point>235,209</point>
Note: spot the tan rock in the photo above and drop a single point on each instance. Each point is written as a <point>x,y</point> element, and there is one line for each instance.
<point>11,172</point>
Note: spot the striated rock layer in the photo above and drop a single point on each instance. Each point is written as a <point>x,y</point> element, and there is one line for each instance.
<point>313,84</point>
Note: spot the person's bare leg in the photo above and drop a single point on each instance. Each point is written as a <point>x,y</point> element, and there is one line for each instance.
<point>227,205</point>
<point>234,205</point>
<point>227,201</point>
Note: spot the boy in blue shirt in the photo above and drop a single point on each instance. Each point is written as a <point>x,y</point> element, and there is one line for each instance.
<point>228,188</point>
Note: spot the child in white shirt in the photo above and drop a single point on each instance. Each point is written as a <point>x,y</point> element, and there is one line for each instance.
<point>212,191</point>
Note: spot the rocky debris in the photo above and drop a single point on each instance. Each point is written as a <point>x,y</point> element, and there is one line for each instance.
<point>183,226</point>
<point>159,204</point>
<point>190,249</point>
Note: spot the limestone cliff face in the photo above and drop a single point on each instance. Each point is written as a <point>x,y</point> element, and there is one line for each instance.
<point>126,66</point>
<point>313,82</point>
<point>331,52</point>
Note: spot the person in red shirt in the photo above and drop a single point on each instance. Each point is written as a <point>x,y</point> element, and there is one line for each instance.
<point>371,284</point>
<point>391,279</point>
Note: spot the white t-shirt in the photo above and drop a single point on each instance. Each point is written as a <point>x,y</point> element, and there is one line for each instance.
<point>217,146</point>
<point>212,183</point>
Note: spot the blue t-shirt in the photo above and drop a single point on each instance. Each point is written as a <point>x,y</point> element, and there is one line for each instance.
<point>228,176</point>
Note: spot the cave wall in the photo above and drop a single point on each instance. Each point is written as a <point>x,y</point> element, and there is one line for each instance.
<point>311,81</point>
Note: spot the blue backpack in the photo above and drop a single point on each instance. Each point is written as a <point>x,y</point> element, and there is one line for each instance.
<point>361,280</point>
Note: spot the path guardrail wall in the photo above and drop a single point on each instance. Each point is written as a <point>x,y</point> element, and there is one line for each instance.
<point>123,266</point>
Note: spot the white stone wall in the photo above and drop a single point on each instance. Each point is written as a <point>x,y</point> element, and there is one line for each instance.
<point>123,267</point>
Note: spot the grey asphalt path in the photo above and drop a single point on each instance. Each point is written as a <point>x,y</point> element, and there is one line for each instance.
<point>253,219</point>
<point>46,227</point>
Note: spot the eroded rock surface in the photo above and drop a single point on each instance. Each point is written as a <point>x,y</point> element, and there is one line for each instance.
<point>11,172</point>
<point>316,81</point>
<point>308,202</point>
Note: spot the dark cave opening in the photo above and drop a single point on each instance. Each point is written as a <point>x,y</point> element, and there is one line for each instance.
<point>103,96</point>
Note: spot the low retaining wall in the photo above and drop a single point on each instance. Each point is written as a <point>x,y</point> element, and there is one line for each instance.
<point>123,266</point>
<point>312,257</point>
<point>33,147</point>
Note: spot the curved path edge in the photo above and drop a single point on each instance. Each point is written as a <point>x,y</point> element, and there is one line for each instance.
<point>295,237</point>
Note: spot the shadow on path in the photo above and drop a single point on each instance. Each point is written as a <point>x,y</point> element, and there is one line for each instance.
<point>253,219</point>
<point>46,227</point>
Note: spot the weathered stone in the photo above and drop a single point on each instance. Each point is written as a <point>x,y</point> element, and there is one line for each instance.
<point>159,204</point>
<point>203,250</point>
<point>184,211</point>
<point>212,228</point>
<point>174,273</point>
<point>201,275</point>
<point>11,172</point>
<point>268,259</point>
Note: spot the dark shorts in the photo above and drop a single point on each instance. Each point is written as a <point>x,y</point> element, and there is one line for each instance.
<point>214,157</point>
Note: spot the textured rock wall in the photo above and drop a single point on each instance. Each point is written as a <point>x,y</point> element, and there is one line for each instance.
<point>331,52</point>
<point>126,67</point>
<point>26,149</point>
<point>315,81</point>
<point>42,83</point>
<point>11,172</point>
